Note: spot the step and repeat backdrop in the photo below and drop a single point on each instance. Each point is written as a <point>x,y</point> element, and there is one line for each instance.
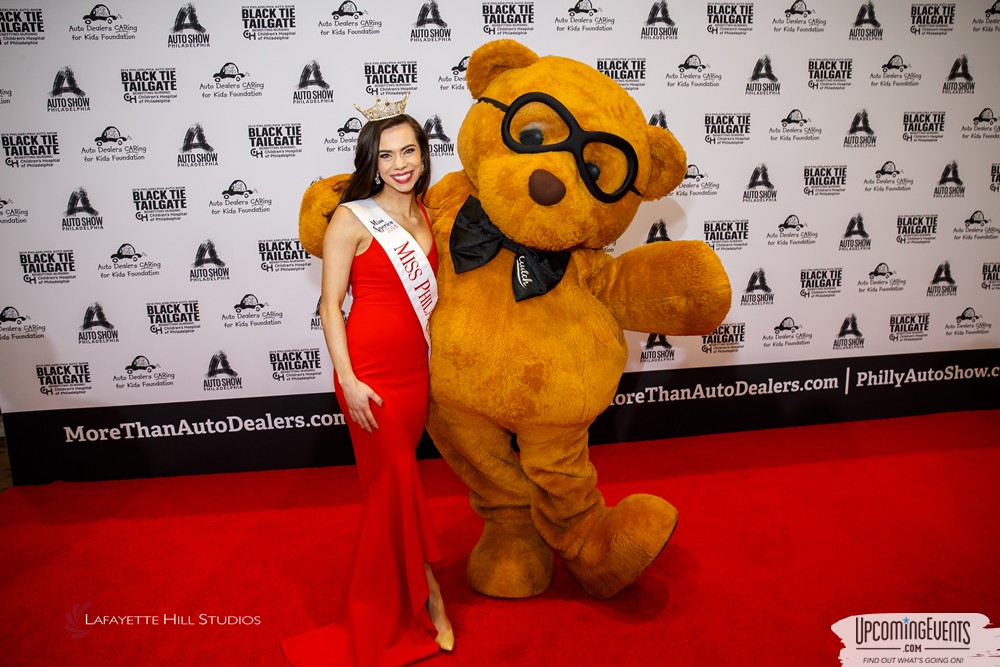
<point>160,317</point>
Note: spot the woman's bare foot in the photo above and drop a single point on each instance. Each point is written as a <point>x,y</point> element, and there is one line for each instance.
<point>435,606</point>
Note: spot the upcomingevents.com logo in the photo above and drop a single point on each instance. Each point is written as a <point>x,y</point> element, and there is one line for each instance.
<point>965,639</point>
<point>868,631</point>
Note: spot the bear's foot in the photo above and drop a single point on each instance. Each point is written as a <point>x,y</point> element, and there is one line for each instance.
<point>625,540</point>
<point>510,561</point>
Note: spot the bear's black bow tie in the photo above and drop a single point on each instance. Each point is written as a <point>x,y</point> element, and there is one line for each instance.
<point>475,240</point>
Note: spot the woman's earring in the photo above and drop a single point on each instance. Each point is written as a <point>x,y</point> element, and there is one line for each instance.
<point>378,179</point>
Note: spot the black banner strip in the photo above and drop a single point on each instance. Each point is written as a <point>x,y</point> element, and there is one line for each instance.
<point>237,435</point>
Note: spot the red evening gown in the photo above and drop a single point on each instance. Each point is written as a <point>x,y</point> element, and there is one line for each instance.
<point>384,619</point>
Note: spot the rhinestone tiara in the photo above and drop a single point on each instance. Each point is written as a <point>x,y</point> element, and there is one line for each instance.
<point>382,110</point>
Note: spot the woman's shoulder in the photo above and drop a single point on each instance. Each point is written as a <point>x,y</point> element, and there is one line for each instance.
<point>345,222</point>
<point>344,212</point>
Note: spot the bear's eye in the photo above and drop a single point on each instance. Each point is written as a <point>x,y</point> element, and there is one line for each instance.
<point>531,136</point>
<point>606,165</point>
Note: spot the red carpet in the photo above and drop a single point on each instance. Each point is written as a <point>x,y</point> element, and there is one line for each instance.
<point>782,533</point>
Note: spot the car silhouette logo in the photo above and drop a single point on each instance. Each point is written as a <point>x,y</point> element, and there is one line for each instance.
<point>462,65</point>
<point>111,135</point>
<point>692,62</point>
<point>791,222</point>
<point>583,7</point>
<point>126,251</point>
<point>977,218</point>
<point>787,324</point>
<point>888,169</point>
<point>10,314</point>
<point>882,270</point>
<point>995,9</point>
<point>794,117</point>
<point>237,188</point>
<point>985,116</point>
<point>249,302</point>
<point>100,13</point>
<point>798,8</point>
<point>347,9</point>
<point>968,315</point>
<point>229,71</point>
<point>140,363</point>
<point>896,62</point>
<point>692,172</point>
<point>353,124</point>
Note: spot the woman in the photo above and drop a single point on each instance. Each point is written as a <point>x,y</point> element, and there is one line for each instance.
<point>379,243</point>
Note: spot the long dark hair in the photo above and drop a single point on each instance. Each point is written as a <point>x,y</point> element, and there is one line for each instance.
<point>362,183</point>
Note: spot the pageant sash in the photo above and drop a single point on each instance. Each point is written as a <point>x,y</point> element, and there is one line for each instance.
<point>408,259</point>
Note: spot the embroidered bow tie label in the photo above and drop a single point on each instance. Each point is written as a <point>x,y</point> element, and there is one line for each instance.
<point>521,272</point>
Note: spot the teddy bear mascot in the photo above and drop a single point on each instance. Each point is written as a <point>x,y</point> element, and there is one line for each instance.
<point>527,337</point>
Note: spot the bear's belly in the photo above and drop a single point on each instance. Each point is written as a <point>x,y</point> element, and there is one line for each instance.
<point>556,358</point>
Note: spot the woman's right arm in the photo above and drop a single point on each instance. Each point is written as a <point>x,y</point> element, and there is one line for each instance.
<point>343,238</point>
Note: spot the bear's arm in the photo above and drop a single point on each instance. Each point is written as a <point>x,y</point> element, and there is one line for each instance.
<point>318,203</point>
<point>677,288</point>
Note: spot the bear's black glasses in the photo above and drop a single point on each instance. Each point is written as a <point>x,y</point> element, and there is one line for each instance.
<point>576,140</point>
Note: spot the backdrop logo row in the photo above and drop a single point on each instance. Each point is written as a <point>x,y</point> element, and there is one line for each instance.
<point>840,159</point>
<point>651,21</point>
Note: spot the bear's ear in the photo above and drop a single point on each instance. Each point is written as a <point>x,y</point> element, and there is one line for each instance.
<point>669,163</point>
<point>492,59</point>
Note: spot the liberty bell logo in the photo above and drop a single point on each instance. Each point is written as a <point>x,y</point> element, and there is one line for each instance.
<point>866,16</point>
<point>187,19</point>
<point>759,178</point>
<point>849,327</point>
<point>860,123</point>
<point>94,317</point>
<point>856,227</point>
<point>207,255</point>
<point>195,140</point>
<point>430,15</point>
<point>943,274</point>
<point>219,365</point>
<point>659,13</point>
<point>79,202</point>
<point>762,70</point>
<point>757,283</point>
<point>312,76</point>
<point>65,82</point>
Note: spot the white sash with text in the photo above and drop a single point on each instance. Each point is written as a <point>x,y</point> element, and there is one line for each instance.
<point>407,257</point>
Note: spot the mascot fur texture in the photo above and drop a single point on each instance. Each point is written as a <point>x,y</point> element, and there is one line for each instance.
<point>542,368</point>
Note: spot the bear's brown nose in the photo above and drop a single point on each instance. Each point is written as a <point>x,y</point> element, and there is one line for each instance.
<point>544,188</point>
